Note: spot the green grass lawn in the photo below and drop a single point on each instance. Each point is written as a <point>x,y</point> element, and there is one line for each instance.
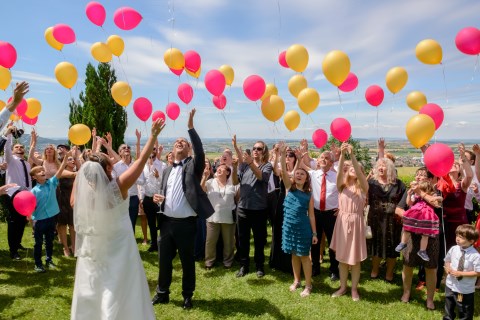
<point>25,294</point>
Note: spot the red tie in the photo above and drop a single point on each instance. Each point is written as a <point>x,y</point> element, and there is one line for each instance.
<point>323,192</point>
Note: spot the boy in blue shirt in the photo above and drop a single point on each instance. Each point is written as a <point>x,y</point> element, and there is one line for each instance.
<point>44,215</point>
<point>462,264</point>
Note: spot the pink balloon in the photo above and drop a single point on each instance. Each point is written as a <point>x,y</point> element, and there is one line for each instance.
<point>350,83</point>
<point>341,129</point>
<point>433,111</point>
<point>21,108</point>
<point>176,71</point>
<point>374,95</point>
<point>320,138</point>
<point>215,82</point>
<point>282,60</point>
<point>95,13</point>
<point>158,114</point>
<point>8,55</point>
<point>439,159</point>
<point>29,121</point>
<point>127,18</point>
<point>254,87</point>
<point>142,108</point>
<point>192,61</point>
<point>24,202</point>
<point>468,40</point>
<point>220,102</point>
<point>63,33</point>
<point>185,92</point>
<point>172,110</point>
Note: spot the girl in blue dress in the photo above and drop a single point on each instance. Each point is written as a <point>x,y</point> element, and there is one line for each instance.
<point>299,231</point>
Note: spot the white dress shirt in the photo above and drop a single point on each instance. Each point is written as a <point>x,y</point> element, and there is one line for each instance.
<point>119,168</point>
<point>331,191</point>
<point>176,204</point>
<point>4,117</point>
<point>152,184</point>
<point>470,193</point>
<point>15,170</point>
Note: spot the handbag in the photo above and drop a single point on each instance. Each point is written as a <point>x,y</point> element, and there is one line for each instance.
<point>368,229</point>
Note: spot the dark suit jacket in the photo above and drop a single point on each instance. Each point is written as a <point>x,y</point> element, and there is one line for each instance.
<point>191,177</point>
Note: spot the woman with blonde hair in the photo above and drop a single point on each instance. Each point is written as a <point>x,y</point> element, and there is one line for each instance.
<point>384,193</point>
<point>348,240</point>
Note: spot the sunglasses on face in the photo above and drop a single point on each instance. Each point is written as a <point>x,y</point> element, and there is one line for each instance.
<point>291,155</point>
<point>257,149</point>
<point>70,159</point>
<point>126,147</point>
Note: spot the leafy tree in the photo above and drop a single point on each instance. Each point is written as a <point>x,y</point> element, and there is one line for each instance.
<point>96,107</point>
<point>361,153</point>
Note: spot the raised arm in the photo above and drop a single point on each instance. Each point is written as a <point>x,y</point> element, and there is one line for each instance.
<point>21,89</point>
<point>235,172</point>
<point>138,134</point>
<point>358,171</point>
<point>59,172</point>
<point>199,159</point>
<point>33,144</point>
<point>237,150</point>
<point>467,168</point>
<point>94,139</point>
<point>343,150</point>
<point>283,162</point>
<point>109,146</point>
<point>476,150</point>
<point>381,148</point>
<point>128,178</point>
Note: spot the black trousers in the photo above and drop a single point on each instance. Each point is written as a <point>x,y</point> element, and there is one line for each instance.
<point>465,306</point>
<point>252,221</point>
<point>177,235</point>
<point>325,222</point>
<point>15,226</point>
<point>133,211</point>
<point>151,211</point>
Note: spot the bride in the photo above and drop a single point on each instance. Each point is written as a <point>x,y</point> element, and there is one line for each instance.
<point>110,281</point>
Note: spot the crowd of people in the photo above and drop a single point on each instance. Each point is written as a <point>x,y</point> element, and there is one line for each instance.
<point>207,210</point>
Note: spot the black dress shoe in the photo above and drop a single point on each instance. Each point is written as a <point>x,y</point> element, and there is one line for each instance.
<point>242,272</point>
<point>260,273</point>
<point>20,247</point>
<point>152,249</point>
<point>334,277</point>
<point>160,298</point>
<point>16,256</point>
<point>187,303</point>
<point>315,271</point>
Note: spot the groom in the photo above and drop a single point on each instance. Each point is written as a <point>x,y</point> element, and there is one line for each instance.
<point>184,201</point>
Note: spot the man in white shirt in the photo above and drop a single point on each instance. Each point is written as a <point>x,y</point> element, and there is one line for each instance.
<point>325,201</point>
<point>18,172</point>
<point>473,191</point>
<point>119,168</point>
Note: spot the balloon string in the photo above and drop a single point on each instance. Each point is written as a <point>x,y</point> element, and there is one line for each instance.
<point>171,11</point>
<point>226,123</point>
<point>123,70</point>
<point>394,101</point>
<point>445,83</point>
<point>474,70</point>
<point>339,99</point>
<point>376,123</point>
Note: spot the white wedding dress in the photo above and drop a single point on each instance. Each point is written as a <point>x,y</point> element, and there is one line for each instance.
<point>110,281</point>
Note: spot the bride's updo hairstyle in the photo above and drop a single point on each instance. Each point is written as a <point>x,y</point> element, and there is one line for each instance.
<point>103,160</point>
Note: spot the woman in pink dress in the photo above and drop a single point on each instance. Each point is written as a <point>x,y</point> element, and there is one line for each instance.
<point>348,240</point>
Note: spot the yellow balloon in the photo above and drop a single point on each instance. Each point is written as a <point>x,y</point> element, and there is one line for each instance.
<point>79,134</point>
<point>174,59</point>
<point>292,120</point>
<point>297,57</point>
<point>66,74</point>
<point>101,52</point>
<point>420,129</point>
<point>5,78</point>
<point>270,89</point>
<point>2,105</point>
<point>416,100</point>
<point>429,51</point>
<point>121,93</point>
<point>51,40</point>
<point>396,79</point>
<point>296,84</point>
<point>116,45</point>
<point>33,108</point>
<point>228,73</point>
<point>14,117</point>
<point>336,67</point>
<point>273,108</point>
<point>196,75</point>
<point>308,100</point>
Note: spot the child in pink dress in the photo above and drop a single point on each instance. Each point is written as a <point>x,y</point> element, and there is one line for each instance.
<point>420,218</point>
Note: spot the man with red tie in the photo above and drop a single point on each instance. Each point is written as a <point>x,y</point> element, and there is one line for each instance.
<point>325,201</point>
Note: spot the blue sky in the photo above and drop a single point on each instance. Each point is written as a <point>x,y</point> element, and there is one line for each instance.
<point>249,35</point>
